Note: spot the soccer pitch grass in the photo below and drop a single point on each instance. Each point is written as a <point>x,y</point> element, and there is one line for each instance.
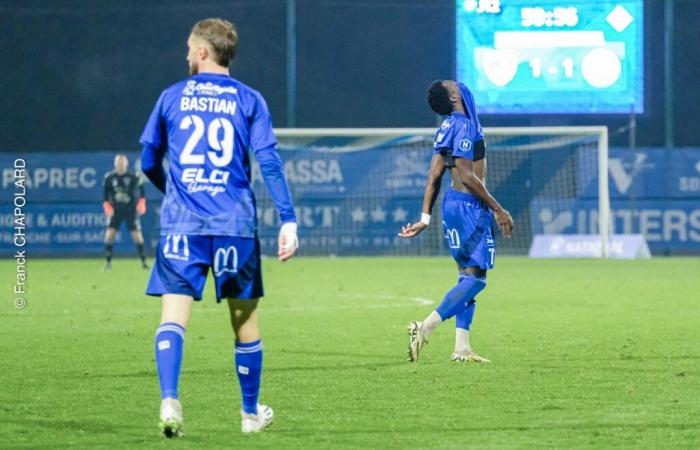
<point>586,354</point>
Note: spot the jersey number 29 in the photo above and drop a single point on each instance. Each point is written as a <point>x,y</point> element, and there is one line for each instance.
<point>220,150</point>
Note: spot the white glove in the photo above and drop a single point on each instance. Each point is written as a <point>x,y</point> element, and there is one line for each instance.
<point>288,240</point>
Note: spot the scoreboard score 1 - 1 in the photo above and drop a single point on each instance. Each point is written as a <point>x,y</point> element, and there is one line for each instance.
<point>547,56</point>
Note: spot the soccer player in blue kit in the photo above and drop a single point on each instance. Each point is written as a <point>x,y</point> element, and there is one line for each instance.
<point>207,125</point>
<point>468,210</point>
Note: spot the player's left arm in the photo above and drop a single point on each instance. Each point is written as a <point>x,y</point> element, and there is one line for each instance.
<point>141,202</point>
<point>263,142</point>
<point>465,169</point>
<point>430,194</point>
<point>106,205</point>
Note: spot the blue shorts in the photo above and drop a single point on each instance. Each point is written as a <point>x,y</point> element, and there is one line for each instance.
<point>182,264</point>
<point>468,230</point>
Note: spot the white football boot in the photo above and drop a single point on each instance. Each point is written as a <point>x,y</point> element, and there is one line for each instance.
<point>416,341</point>
<point>468,357</point>
<point>255,423</point>
<point>171,420</point>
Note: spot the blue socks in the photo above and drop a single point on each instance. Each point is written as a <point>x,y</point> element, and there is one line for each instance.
<point>457,298</point>
<point>249,357</point>
<point>170,337</point>
<point>465,316</point>
<point>169,348</point>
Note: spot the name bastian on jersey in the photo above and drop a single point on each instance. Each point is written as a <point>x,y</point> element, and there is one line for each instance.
<point>207,124</point>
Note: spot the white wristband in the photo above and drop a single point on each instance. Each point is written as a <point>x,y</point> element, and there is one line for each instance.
<point>425,219</point>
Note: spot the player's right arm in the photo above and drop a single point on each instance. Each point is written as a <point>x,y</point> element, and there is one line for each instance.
<point>106,205</point>
<point>155,144</point>
<point>263,142</point>
<point>430,194</point>
<point>465,169</point>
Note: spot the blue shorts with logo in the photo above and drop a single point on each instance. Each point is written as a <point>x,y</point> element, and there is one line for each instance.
<point>468,230</point>
<point>183,261</point>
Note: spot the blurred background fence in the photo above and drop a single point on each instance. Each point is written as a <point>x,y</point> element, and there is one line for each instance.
<point>81,78</point>
<point>353,200</point>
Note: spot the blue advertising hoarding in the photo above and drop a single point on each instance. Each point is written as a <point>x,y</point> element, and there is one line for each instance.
<point>66,176</point>
<point>354,202</point>
<point>668,225</point>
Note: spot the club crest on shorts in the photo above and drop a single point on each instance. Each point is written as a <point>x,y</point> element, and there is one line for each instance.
<point>225,260</point>
<point>465,145</point>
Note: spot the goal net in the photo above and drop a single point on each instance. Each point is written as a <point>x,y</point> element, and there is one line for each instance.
<point>354,188</point>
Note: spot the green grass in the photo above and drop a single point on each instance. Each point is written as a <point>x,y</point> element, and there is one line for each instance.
<point>586,354</point>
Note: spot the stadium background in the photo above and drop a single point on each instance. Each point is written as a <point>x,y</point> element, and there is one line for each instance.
<point>586,353</point>
<point>82,83</point>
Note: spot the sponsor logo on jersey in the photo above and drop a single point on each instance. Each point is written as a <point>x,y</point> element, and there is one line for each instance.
<point>208,88</point>
<point>198,180</point>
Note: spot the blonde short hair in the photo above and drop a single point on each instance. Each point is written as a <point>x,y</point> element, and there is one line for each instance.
<point>221,35</point>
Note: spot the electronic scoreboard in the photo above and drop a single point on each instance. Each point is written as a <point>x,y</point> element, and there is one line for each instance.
<point>535,57</point>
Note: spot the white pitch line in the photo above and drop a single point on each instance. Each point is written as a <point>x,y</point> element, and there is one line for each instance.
<point>265,306</point>
<point>419,300</point>
<point>423,301</point>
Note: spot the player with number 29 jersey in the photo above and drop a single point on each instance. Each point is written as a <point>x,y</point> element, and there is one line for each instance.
<point>209,121</point>
<point>209,125</point>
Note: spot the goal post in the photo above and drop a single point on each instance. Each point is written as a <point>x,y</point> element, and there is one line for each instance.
<point>354,187</point>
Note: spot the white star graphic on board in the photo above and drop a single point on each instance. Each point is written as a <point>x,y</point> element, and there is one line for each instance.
<point>400,214</point>
<point>358,214</point>
<point>378,214</point>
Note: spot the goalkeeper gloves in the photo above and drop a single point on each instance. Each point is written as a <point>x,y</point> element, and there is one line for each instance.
<point>141,206</point>
<point>107,208</point>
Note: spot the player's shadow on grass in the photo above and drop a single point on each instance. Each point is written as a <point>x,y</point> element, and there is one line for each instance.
<point>577,427</point>
<point>210,372</point>
<point>139,374</point>
<point>78,426</point>
<point>340,366</point>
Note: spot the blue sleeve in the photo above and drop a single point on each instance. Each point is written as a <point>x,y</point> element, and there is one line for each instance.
<point>261,134</point>
<point>155,143</point>
<point>443,137</point>
<point>272,171</point>
<point>463,142</point>
<point>152,166</point>
<point>155,134</point>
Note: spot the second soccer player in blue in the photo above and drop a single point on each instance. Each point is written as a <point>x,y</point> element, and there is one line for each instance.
<point>468,210</point>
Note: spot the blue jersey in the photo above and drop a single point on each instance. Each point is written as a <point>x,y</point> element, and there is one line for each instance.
<point>457,136</point>
<point>207,124</point>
